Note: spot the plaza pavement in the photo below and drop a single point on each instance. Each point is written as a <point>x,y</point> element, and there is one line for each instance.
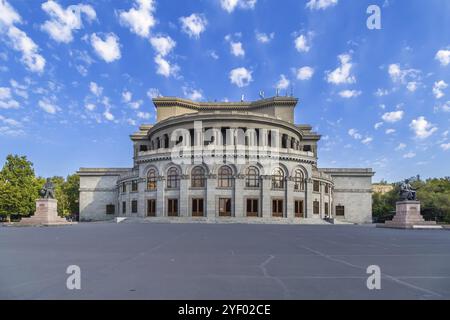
<point>222,261</point>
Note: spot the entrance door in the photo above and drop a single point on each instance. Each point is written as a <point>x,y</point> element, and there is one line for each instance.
<point>172,208</point>
<point>252,207</point>
<point>298,208</point>
<point>197,208</point>
<point>224,207</point>
<point>151,208</point>
<point>277,208</point>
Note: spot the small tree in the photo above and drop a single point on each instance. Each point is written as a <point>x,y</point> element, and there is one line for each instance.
<point>18,187</point>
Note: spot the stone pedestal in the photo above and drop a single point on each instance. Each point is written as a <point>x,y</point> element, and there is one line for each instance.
<point>408,216</point>
<point>46,214</point>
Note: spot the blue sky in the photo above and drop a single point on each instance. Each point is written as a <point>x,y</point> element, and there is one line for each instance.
<point>77,77</point>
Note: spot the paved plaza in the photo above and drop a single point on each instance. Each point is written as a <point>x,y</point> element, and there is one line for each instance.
<point>222,261</point>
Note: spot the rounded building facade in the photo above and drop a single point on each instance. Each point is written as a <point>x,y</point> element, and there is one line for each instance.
<point>218,160</point>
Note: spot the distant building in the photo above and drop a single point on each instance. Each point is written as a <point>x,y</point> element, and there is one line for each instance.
<point>382,188</point>
<point>244,160</point>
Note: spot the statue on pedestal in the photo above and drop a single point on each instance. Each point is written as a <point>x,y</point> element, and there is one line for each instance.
<point>407,193</point>
<point>48,190</point>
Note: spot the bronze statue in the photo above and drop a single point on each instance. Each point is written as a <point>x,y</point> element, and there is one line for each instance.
<point>48,190</point>
<point>407,193</point>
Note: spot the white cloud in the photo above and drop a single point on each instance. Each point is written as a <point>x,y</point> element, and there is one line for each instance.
<point>30,57</point>
<point>230,5</point>
<point>63,22</point>
<point>264,38</point>
<point>10,122</point>
<point>401,146</point>
<point>302,43</point>
<point>153,93</point>
<point>283,83</point>
<point>6,100</point>
<point>422,128</point>
<point>438,87</point>
<point>90,106</point>
<point>127,96</point>
<point>139,19</point>
<point>354,134</point>
<point>108,115</point>
<point>48,106</point>
<point>107,49</point>
<point>8,15</point>
<point>394,116</point>
<point>390,131</point>
<point>143,115</point>
<point>164,67</point>
<point>409,155</point>
<point>192,94</point>
<point>19,40</point>
<point>241,77</point>
<point>367,140</point>
<point>320,4</point>
<point>381,92</point>
<point>305,73</point>
<point>162,45</point>
<point>342,74</point>
<point>404,76</point>
<point>135,104</point>
<point>95,89</point>
<point>236,49</point>
<point>349,94</point>
<point>378,125</point>
<point>193,25</point>
<point>445,146</point>
<point>412,86</point>
<point>443,56</point>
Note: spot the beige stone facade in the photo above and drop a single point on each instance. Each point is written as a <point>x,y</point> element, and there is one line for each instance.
<point>245,160</point>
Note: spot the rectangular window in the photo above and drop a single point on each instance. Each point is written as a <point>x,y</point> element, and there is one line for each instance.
<point>277,208</point>
<point>327,189</point>
<point>224,207</point>
<point>316,207</point>
<point>340,211</point>
<point>316,186</point>
<point>134,185</point>
<point>298,209</point>
<point>134,206</point>
<point>151,208</point>
<point>172,208</point>
<point>124,207</point>
<point>110,209</point>
<point>197,208</point>
<point>124,187</point>
<point>326,208</point>
<point>252,207</point>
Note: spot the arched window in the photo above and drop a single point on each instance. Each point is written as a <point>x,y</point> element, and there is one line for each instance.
<point>173,178</point>
<point>298,180</point>
<point>225,177</point>
<point>166,141</point>
<point>151,179</point>
<point>198,177</point>
<point>252,177</point>
<point>277,179</point>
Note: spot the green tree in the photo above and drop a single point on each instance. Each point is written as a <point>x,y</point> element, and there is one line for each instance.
<point>71,190</point>
<point>18,187</point>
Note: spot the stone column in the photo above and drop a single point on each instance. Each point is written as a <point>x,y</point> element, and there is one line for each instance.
<point>289,198</point>
<point>239,184</point>
<point>184,196</point>
<point>211,183</point>
<point>266,200</point>
<point>141,198</point>
<point>160,197</point>
<point>309,198</point>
